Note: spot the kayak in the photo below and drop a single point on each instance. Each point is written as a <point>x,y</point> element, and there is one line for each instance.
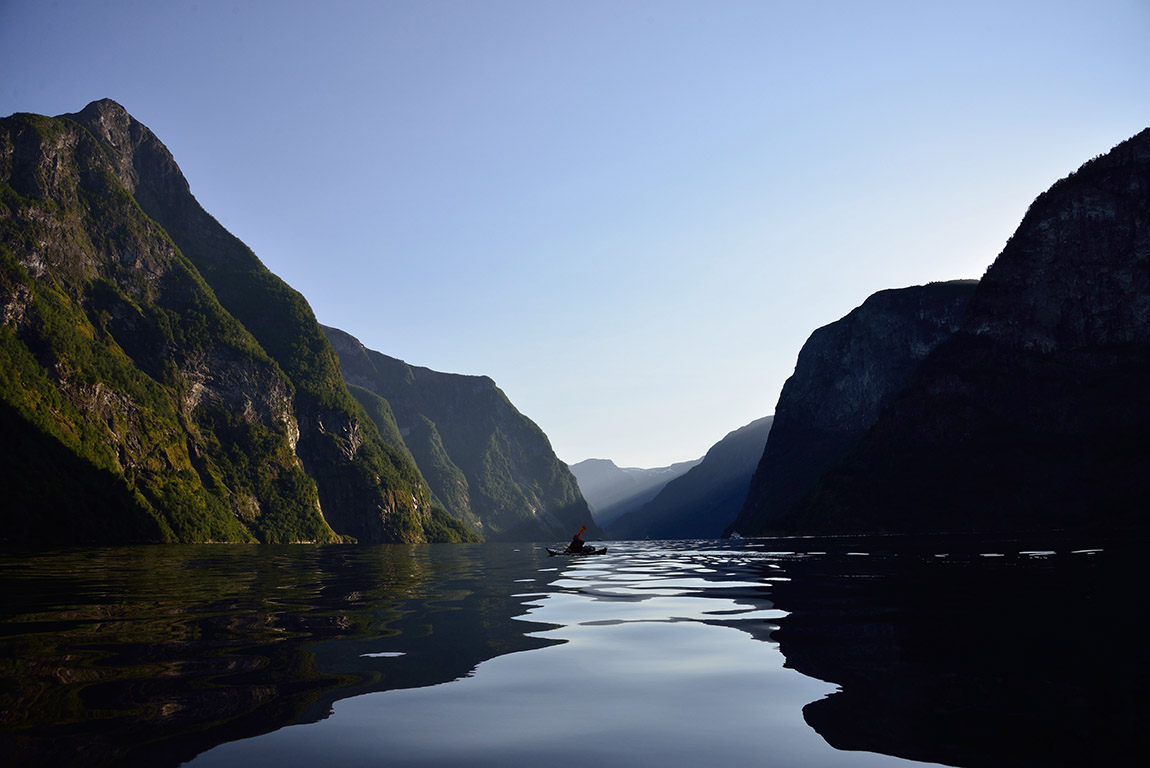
<point>586,551</point>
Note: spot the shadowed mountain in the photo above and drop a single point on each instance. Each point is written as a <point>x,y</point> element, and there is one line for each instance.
<point>486,463</point>
<point>159,383</point>
<point>847,372</point>
<point>1034,415</point>
<point>613,491</point>
<point>701,503</point>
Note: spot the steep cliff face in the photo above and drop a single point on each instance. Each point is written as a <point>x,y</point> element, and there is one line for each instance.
<point>1035,414</point>
<point>488,465</point>
<point>149,355</point>
<point>846,374</point>
<point>703,502</point>
<point>1073,281</point>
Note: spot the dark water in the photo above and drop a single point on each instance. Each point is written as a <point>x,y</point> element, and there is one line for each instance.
<point>841,652</point>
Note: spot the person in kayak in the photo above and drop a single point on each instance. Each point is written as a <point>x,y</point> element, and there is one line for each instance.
<point>576,544</point>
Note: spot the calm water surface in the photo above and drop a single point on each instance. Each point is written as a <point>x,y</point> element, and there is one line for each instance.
<point>844,652</point>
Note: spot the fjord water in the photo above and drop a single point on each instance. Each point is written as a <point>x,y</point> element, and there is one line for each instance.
<point>843,652</point>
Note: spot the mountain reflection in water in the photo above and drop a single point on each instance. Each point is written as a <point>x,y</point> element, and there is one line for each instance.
<point>975,653</point>
<point>944,650</point>
<point>149,655</point>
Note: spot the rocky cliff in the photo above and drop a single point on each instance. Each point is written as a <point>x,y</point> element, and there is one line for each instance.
<point>704,501</point>
<point>159,383</point>
<point>485,462</point>
<point>846,373</point>
<point>1034,414</point>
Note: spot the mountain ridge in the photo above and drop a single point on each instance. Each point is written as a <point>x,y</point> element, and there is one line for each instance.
<point>148,351</point>
<point>612,491</point>
<point>1033,414</point>
<point>487,463</point>
<point>703,501</point>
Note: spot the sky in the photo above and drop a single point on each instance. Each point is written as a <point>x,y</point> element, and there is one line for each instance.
<point>631,214</point>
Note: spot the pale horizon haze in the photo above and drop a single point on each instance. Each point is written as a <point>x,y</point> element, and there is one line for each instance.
<point>631,215</point>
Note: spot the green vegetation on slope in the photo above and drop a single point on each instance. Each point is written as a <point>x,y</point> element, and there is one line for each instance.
<point>448,480</point>
<point>180,390</point>
<point>98,348</point>
<point>367,490</point>
<point>380,413</point>
<point>487,464</point>
<point>425,450</point>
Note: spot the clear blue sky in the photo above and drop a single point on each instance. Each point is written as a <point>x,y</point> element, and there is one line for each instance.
<point>630,214</point>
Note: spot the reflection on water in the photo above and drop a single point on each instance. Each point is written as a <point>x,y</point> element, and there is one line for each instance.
<point>1008,653</point>
<point>683,653</point>
<point>150,655</point>
<point>655,656</point>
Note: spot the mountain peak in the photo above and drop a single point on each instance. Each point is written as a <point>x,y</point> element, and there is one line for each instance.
<point>1030,416</point>
<point>604,463</point>
<point>189,390</point>
<point>109,122</point>
<point>143,164</point>
<point>106,108</point>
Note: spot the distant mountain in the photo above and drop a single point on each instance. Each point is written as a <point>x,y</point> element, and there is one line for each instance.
<point>157,382</point>
<point>486,463</point>
<point>705,500</point>
<point>1034,415</point>
<point>847,372</point>
<point>613,491</point>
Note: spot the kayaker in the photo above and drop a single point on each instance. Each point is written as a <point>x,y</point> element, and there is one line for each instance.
<point>576,544</point>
